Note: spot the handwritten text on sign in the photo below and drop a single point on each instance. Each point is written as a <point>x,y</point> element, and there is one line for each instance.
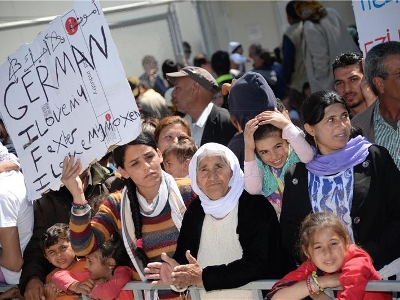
<point>66,94</point>
<point>377,22</point>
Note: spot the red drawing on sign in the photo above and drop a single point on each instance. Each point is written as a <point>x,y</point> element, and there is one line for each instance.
<point>383,39</point>
<point>108,117</point>
<point>71,25</point>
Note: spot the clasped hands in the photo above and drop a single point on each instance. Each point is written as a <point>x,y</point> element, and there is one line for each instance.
<point>169,272</point>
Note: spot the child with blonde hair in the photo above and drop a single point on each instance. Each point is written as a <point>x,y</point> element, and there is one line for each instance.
<point>330,261</point>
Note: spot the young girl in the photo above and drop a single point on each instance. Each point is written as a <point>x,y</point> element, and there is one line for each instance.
<point>107,273</point>
<point>331,260</point>
<point>268,154</point>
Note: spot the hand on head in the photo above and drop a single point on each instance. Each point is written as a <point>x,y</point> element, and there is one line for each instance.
<point>275,118</point>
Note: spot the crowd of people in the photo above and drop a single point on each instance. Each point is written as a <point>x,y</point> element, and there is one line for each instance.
<point>236,176</point>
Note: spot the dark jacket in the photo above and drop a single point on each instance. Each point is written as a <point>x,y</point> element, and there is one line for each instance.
<point>218,127</point>
<point>365,119</point>
<point>375,209</point>
<point>259,236</point>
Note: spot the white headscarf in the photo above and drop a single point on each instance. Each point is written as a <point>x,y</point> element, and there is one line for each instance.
<point>223,206</point>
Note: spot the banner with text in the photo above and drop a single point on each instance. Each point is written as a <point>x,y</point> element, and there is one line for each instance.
<point>66,93</point>
<point>377,22</point>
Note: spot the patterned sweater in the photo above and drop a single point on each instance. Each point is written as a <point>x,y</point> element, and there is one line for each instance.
<point>159,233</point>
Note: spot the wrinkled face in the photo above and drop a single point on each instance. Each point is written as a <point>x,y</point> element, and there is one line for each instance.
<point>182,94</point>
<point>93,264</point>
<point>142,165</point>
<point>61,254</point>
<point>213,175</point>
<point>333,131</point>
<point>273,150</point>
<point>390,86</point>
<point>347,85</point>
<point>174,167</point>
<point>169,134</point>
<point>327,250</point>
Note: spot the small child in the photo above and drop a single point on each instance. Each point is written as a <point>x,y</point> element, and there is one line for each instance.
<point>58,251</point>
<point>106,275</point>
<point>331,260</point>
<point>272,145</point>
<point>177,156</point>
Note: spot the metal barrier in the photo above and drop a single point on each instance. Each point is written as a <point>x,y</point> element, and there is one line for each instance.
<point>256,287</point>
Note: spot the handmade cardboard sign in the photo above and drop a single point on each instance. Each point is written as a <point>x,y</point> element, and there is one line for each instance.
<point>66,93</point>
<point>377,22</point>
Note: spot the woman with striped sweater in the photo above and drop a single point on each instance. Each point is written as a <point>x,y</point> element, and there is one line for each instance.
<point>148,212</point>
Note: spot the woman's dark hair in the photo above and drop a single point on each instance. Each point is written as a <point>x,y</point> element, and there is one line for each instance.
<point>59,231</point>
<point>143,138</point>
<point>313,108</point>
<point>114,248</point>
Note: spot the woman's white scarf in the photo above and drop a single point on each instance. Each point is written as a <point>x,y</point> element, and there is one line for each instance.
<point>223,206</point>
<point>168,191</point>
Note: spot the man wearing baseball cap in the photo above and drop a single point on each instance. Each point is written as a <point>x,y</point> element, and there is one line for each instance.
<point>192,95</point>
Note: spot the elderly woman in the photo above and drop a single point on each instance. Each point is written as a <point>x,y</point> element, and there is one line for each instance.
<point>354,179</point>
<point>228,237</point>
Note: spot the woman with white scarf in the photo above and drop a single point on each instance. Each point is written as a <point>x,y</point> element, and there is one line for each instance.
<point>148,212</point>
<point>228,237</point>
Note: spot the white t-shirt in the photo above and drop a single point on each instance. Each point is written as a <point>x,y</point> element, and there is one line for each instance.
<point>15,210</point>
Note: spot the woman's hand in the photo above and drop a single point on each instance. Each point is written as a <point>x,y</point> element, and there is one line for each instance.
<point>275,118</point>
<point>186,275</point>
<point>70,178</point>
<point>34,289</point>
<point>160,272</point>
<point>84,287</point>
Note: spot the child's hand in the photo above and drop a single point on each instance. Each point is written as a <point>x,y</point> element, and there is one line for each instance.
<point>275,118</point>
<point>83,287</point>
<point>10,293</point>
<point>50,291</point>
<point>329,281</point>
<point>248,134</point>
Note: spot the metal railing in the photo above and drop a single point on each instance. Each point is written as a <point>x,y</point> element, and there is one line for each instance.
<point>256,287</point>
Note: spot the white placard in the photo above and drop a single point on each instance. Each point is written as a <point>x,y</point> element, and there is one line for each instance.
<point>377,22</point>
<point>66,94</point>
